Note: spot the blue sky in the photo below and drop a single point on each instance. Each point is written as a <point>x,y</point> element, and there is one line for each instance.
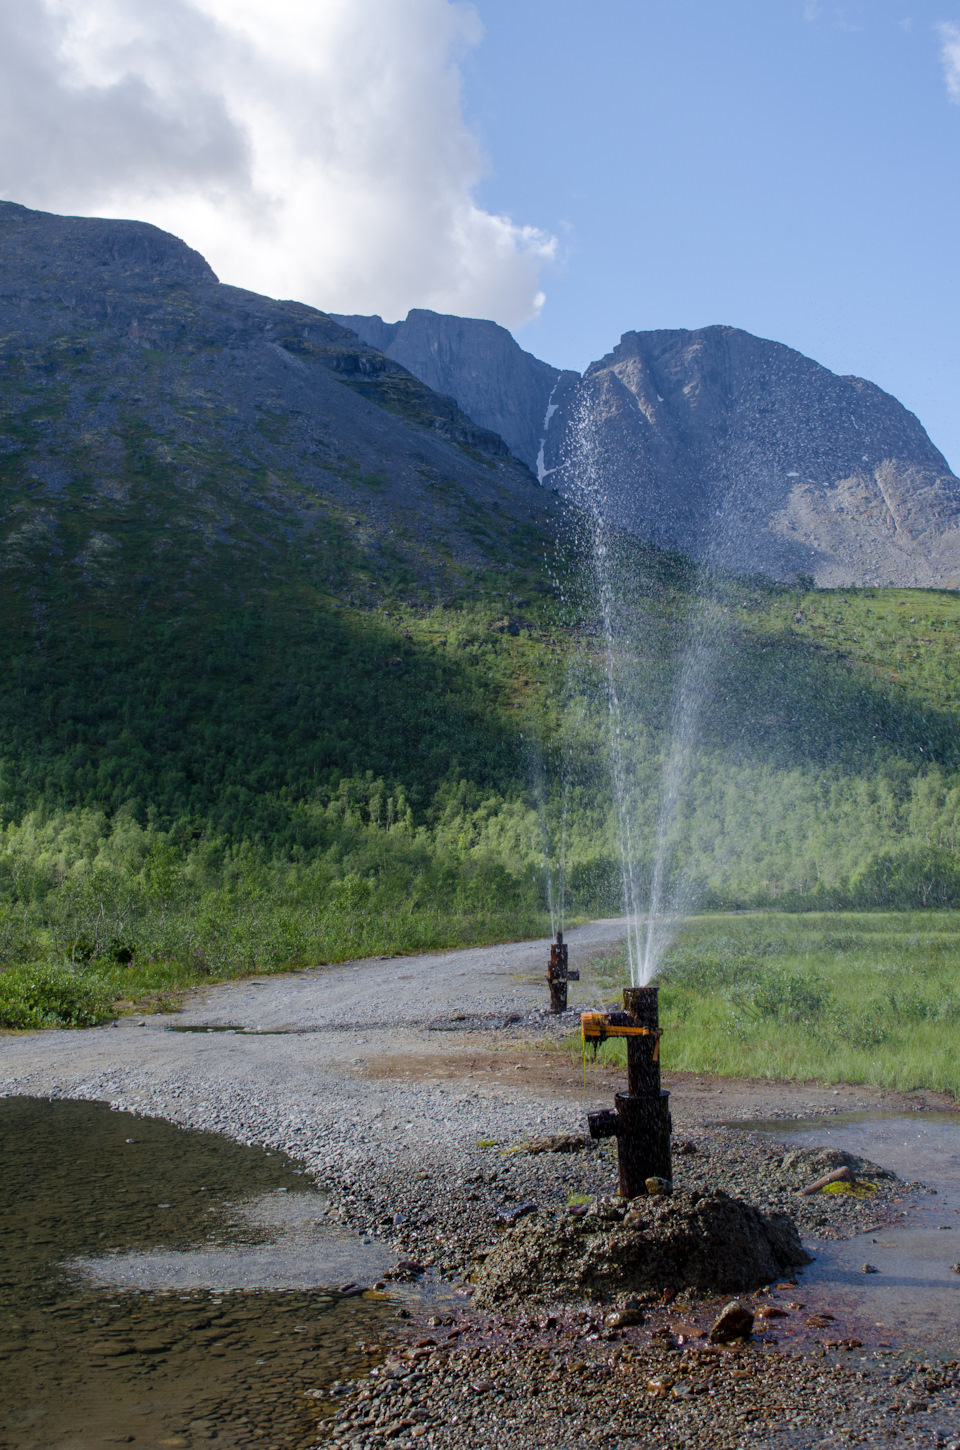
<point>789,168</point>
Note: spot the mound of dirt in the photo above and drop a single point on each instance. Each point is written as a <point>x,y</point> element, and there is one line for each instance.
<point>708,1243</point>
<point>802,1165</point>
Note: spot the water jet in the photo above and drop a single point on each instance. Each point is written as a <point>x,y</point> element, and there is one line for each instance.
<point>640,1121</point>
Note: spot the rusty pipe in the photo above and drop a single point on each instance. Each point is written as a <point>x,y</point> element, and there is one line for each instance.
<point>641,1121</point>
<point>559,974</point>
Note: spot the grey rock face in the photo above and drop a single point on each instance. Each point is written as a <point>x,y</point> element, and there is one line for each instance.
<point>722,445</point>
<point>114,330</point>
<point>494,381</point>
<point>745,453</point>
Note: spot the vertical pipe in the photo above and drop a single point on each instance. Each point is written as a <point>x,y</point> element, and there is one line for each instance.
<point>643,1055</point>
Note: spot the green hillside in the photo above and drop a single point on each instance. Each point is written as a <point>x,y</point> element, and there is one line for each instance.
<point>299,665</point>
<point>288,781</point>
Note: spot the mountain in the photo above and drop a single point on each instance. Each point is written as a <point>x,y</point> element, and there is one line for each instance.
<point>744,452</point>
<point>494,381</point>
<point>291,670</point>
<point>130,375</point>
<point>218,513</point>
<point>725,446</point>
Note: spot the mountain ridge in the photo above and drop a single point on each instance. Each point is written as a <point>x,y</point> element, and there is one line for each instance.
<point>737,450</point>
<point>477,362</point>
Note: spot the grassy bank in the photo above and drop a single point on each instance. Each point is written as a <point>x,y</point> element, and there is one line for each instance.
<point>838,997</point>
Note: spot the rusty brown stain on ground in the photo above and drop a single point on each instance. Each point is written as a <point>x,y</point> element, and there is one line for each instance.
<point>530,1070</point>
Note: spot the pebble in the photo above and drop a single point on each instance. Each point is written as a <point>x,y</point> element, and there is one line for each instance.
<point>733,1322</point>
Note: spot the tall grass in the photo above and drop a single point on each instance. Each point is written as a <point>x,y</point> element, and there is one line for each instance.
<point>836,997</point>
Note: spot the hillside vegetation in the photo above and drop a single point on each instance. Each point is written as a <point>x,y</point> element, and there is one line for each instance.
<point>298,665</point>
<point>837,997</point>
<point>202,789</point>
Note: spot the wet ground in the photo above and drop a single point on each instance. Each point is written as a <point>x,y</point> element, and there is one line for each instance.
<point>913,1298</point>
<point>99,1206</point>
<point>131,1313</point>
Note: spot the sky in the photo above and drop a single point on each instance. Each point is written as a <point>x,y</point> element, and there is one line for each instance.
<point>573,170</point>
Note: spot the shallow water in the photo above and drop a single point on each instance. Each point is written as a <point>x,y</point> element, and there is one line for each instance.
<point>914,1298</point>
<point>160,1287</point>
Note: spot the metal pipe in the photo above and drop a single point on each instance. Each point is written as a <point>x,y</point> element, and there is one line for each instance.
<point>559,974</point>
<point>641,1121</point>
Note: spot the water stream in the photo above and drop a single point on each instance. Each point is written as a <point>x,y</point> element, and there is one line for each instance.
<point>654,895</point>
<point>161,1287</point>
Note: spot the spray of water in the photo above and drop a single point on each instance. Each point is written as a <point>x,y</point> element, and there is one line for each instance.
<point>654,896</point>
<point>553,844</point>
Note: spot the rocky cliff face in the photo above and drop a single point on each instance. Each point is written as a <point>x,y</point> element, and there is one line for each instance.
<point>717,443</point>
<point>140,397</point>
<point>494,381</point>
<point>746,453</point>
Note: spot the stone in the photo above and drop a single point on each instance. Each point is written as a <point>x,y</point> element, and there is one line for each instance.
<point>658,1187</point>
<point>870,1269</point>
<point>623,1319</point>
<point>558,1143</point>
<point>514,1215</point>
<point>733,1322</point>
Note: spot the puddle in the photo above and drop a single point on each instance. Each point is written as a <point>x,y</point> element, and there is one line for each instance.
<point>914,1298</point>
<point>236,1031</point>
<point>163,1291</point>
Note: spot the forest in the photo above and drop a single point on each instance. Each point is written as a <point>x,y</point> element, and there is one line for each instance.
<point>248,779</point>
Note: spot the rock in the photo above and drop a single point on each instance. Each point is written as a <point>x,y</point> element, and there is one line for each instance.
<point>785,1239</point>
<point>623,1319</point>
<point>870,1269</point>
<point>557,1143</point>
<point>514,1215</point>
<point>733,1322</point>
<point>477,362</point>
<point>844,484</point>
<point>955,1268</point>
<point>658,1187</point>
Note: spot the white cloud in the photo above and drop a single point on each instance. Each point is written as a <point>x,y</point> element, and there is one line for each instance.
<point>309,150</point>
<point>950,55</point>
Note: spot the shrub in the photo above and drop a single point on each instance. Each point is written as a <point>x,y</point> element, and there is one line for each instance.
<point>48,996</point>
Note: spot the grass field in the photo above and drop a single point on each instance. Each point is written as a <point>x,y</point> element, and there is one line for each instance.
<point>832,996</point>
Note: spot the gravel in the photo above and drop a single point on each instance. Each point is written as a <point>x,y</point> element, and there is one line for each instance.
<point>417,1094</point>
<point>575,1385</point>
